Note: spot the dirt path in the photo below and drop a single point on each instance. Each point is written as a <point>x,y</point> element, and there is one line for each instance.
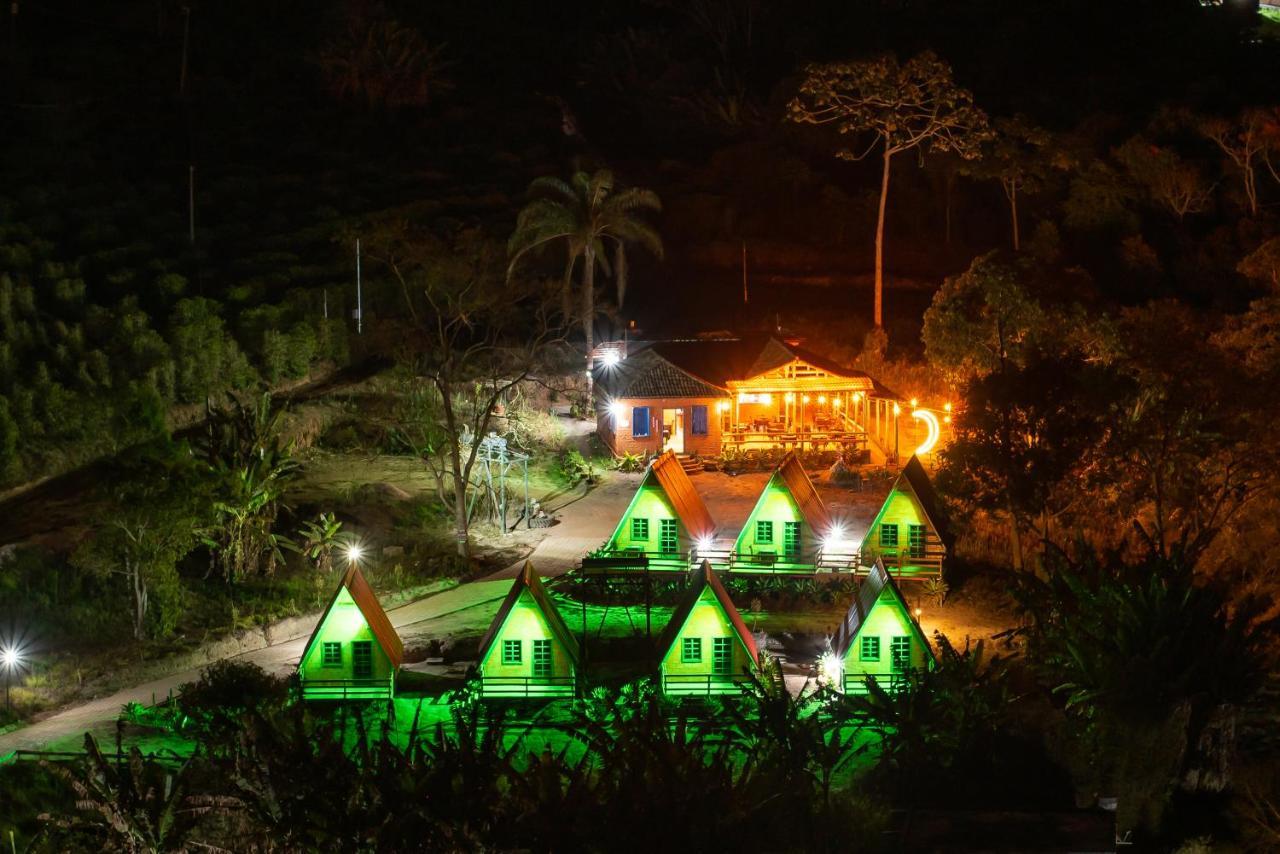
<point>587,521</point>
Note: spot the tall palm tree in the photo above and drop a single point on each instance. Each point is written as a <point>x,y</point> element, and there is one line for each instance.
<point>588,213</point>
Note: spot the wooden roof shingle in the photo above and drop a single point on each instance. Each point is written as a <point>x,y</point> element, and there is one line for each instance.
<point>805,494</point>
<point>684,497</point>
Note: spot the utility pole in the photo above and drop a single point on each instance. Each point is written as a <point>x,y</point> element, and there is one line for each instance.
<point>359,297</point>
<point>191,202</point>
<point>745,296</point>
<point>186,39</point>
<point>326,303</point>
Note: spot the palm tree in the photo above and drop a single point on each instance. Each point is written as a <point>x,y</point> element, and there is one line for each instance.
<point>588,213</point>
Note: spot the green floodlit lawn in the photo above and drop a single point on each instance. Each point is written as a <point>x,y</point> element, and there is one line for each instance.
<point>1269,23</point>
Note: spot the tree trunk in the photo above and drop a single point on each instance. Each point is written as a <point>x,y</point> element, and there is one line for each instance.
<point>948,184</point>
<point>884,195</point>
<point>139,598</point>
<point>566,291</point>
<point>1015,537</point>
<point>588,313</point>
<point>1013,211</point>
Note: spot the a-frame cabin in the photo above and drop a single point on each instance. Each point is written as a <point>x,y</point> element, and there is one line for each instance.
<point>354,652</point>
<point>879,637</point>
<point>789,529</point>
<point>528,650</point>
<point>665,520</point>
<point>706,648</point>
<point>910,533</point>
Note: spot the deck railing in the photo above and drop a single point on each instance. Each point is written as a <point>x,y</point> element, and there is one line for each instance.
<point>348,689</point>
<point>703,684</point>
<point>523,687</point>
<point>856,683</point>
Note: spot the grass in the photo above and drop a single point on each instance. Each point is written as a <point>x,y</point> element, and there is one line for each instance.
<point>1269,23</point>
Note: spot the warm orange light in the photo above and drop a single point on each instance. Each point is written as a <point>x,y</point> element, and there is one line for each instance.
<point>897,410</point>
<point>804,399</point>
<point>947,406</point>
<point>915,404</point>
<point>789,396</point>
<point>836,402</point>
<point>822,398</point>
<point>723,406</point>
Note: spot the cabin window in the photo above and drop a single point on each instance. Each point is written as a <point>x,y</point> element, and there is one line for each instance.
<point>900,654</point>
<point>691,650</point>
<point>640,422</point>
<point>640,530</point>
<point>362,659</point>
<point>542,658</point>
<point>764,533</point>
<point>791,538</point>
<point>915,540</point>
<point>870,649</point>
<point>722,656</point>
<point>512,651</point>
<point>331,654</point>
<point>889,535</point>
<point>699,420</point>
<point>670,541</point>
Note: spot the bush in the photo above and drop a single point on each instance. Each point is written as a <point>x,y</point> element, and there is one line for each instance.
<point>225,692</point>
<point>574,468</point>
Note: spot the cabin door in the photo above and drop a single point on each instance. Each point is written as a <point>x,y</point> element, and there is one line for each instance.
<point>673,430</point>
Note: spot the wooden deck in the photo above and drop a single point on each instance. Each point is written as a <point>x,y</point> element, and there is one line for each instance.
<point>845,562</point>
<point>348,689</point>
<point>527,687</point>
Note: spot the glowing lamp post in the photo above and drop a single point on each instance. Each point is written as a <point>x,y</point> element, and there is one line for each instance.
<point>897,410</point>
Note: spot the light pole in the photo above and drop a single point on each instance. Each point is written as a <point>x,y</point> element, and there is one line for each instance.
<point>897,410</point>
<point>10,658</point>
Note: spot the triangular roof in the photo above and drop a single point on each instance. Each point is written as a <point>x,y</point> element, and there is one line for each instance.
<point>528,579</point>
<point>803,491</point>
<point>366,600</point>
<point>876,582</point>
<point>792,477</point>
<point>701,578</point>
<point>917,478</point>
<point>667,472</point>
<point>650,373</point>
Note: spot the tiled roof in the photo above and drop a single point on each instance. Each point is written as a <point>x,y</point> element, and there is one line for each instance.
<point>702,577</point>
<point>682,494</point>
<point>528,579</point>
<point>806,496</point>
<point>647,374</point>
<point>362,594</point>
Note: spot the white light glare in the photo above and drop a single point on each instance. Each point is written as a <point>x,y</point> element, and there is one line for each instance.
<point>611,359</point>
<point>354,552</point>
<point>10,658</point>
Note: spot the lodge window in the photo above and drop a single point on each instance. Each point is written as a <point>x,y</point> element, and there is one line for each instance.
<point>900,654</point>
<point>640,422</point>
<point>670,542</point>
<point>640,530</point>
<point>331,654</point>
<point>512,651</point>
<point>764,533</point>
<point>542,658</point>
<point>791,538</point>
<point>691,650</point>
<point>889,535</point>
<point>699,420</point>
<point>362,659</point>
<point>721,656</point>
<point>915,540</point>
<point>870,649</point>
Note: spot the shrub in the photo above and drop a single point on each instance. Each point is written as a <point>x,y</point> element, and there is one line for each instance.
<point>225,692</point>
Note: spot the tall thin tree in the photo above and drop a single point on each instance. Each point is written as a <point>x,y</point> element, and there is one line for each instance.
<point>589,213</point>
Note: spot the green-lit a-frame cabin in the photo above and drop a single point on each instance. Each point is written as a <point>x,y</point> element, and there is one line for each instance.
<point>910,532</point>
<point>879,637</point>
<point>528,650</point>
<point>665,520</point>
<point>354,652</point>
<point>790,530</point>
<point>706,649</point>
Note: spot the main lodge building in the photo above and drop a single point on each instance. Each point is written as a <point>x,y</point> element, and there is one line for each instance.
<point>752,392</point>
